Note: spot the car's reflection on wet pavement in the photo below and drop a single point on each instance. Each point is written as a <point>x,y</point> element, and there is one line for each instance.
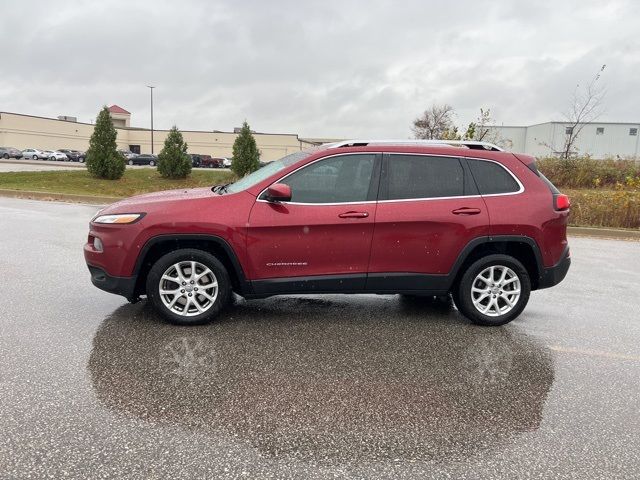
<point>331,380</point>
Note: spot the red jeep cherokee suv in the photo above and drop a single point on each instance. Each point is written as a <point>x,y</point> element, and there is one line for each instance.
<point>410,217</point>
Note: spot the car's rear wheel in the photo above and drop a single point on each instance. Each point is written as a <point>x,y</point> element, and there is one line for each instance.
<point>130,162</point>
<point>493,290</point>
<point>6,156</point>
<point>152,163</point>
<point>188,287</point>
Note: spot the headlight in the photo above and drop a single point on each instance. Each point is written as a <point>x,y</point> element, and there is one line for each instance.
<point>118,218</point>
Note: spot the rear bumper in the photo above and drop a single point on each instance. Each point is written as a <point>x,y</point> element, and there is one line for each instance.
<point>124,286</point>
<point>554,275</point>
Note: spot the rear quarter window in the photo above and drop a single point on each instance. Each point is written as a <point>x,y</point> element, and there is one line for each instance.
<point>492,178</point>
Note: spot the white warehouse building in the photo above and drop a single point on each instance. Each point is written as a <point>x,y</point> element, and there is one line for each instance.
<point>597,139</point>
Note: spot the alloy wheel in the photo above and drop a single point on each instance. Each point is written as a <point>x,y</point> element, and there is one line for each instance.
<point>188,288</point>
<point>495,290</point>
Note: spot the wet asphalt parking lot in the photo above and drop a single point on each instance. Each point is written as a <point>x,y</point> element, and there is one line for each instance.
<point>310,387</point>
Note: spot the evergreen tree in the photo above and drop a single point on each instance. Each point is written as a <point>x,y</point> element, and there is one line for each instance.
<point>173,161</point>
<point>246,158</point>
<point>103,158</point>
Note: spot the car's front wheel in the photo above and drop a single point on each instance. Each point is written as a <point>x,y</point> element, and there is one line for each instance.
<point>152,163</point>
<point>188,287</point>
<point>493,290</point>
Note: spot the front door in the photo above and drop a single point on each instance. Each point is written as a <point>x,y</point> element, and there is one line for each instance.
<point>321,239</point>
<point>429,209</point>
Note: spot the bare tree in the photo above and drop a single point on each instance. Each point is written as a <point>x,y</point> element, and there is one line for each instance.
<point>435,122</point>
<point>480,130</point>
<point>585,107</point>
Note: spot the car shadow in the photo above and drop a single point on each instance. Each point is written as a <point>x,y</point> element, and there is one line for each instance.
<point>327,379</point>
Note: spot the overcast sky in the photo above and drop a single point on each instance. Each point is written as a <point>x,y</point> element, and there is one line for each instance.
<point>327,68</point>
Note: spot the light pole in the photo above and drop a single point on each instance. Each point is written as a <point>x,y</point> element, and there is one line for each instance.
<point>151,89</point>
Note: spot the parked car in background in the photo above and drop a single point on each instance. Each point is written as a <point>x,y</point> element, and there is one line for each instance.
<point>34,154</point>
<point>73,155</point>
<point>211,162</point>
<point>143,159</point>
<point>10,152</point>
<point>58,155</point>
<point>127,154</point>
<point>196,160</point>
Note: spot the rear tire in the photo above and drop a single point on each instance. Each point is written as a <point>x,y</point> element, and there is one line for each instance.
<point>152,163</point>
<point>193,287</point>
<point>493,291</point>
<point>130,162</point>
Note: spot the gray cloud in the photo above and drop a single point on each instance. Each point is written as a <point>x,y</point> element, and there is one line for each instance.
<point>318,68</point>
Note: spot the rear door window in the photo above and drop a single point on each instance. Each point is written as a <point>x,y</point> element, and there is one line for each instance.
<point>492,178</point>
<point>422,176</point>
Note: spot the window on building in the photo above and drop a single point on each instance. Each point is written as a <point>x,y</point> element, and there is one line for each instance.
<point>492,178</point>
<point>633,132</point>
<point>568,130</point>
<point>421,176</point>
<point>600,131</point>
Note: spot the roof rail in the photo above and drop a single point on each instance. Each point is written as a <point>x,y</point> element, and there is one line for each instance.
<point>464,143</point>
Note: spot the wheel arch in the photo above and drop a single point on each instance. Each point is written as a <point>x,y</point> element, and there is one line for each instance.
<point>523,248</point>
<point>160,245</point>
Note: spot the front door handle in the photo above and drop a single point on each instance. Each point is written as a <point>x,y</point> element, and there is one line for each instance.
<point>466,211</point>
<point>353,215</point>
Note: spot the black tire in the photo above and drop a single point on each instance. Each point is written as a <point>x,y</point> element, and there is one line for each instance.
<point>130,162</point>
<point>462,296</point>
<point>6,156</point>
<point>152,163</point>
<point>35,157</point>
<point>218,269</point>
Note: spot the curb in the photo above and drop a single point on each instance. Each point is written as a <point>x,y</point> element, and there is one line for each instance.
<point>46,163</point>
<point>594,232</point>
<point>58,197</point>
<point>603,232</point>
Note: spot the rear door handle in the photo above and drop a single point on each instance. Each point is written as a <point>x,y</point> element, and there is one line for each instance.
<point>466,211</point>
<point>353,215</point>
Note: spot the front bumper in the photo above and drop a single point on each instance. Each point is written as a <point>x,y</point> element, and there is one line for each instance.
<point>554,275</point>
<point>124,286</point>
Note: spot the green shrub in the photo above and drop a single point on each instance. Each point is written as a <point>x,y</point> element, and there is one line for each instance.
<point>246,157</point>
<point>585,172</point>
<point>103,158</point>
<point>173,161</point>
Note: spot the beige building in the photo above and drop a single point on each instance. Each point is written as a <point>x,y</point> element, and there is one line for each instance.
<point>27,131</point>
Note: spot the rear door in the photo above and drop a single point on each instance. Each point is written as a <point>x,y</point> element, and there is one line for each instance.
<point>428,210</point>
<point>326,228</point>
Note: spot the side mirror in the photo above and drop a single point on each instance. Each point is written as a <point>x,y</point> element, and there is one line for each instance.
<point>279,192</point>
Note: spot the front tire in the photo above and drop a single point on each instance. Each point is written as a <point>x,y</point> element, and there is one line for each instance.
<point>188,287</point>
<point>493,291</point>
<point>152,163</point>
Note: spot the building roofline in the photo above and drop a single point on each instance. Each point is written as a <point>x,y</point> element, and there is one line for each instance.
<point>142,128</point>
<point>563,122</point>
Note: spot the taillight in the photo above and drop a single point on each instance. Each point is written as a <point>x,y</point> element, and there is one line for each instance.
<point>561,202</point>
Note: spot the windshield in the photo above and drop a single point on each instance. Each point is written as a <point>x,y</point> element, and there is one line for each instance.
<point>268,170</point>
